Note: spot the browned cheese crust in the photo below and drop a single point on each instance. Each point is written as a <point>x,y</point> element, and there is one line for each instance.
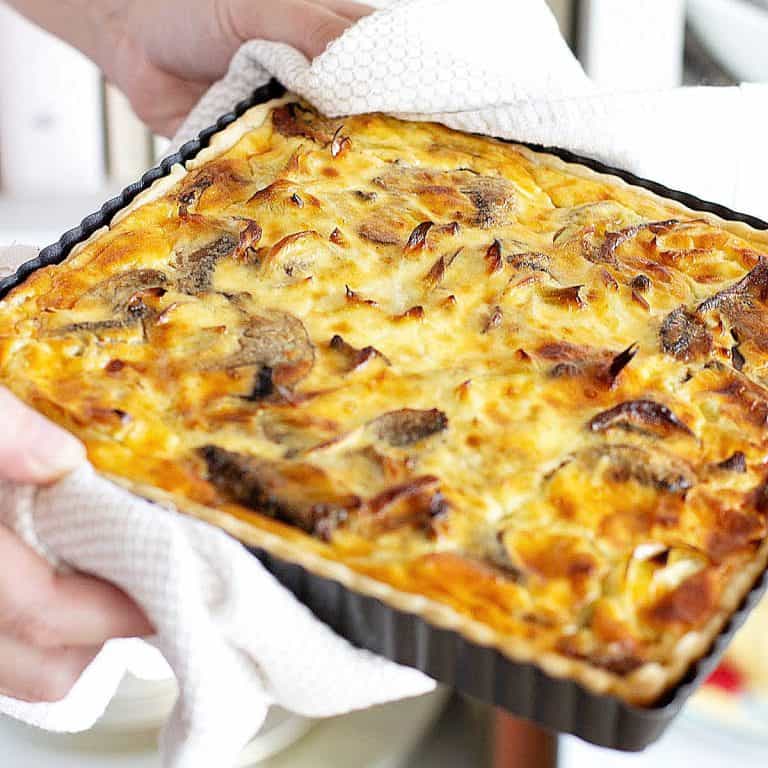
<point>444,364</point>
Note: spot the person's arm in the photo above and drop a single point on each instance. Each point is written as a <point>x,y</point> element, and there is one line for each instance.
<point>51,625</point>
<point>164,54</point>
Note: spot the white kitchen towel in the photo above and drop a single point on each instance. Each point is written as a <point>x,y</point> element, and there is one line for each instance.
<point>501,67</point>
<point>235,639</point>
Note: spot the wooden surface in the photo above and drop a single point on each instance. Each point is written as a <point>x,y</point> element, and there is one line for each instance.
<point>522,744</point>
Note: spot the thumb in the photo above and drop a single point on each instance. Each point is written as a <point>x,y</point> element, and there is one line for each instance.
<point>33,449</point>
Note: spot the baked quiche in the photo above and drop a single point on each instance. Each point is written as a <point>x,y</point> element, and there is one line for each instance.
<point>519,398</point>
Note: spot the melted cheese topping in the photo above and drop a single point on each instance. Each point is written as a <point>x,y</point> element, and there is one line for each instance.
<point>529,393</point>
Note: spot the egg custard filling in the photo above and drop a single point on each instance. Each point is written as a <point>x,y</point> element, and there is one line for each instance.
<point>523,399</point>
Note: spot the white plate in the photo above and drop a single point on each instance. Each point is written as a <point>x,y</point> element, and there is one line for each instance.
<point>380,737</point>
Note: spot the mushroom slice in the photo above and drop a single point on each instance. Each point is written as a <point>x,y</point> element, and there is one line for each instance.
<point>531,261</point>
<point>195,270</point>
<point>382,231</point>
<point>297,430</point>
<point>655,469</point>
<point>275,340</point>
<point>493,198</point>
<point>297,120</point>
<point>297,493</point>
<point>124,295</point>
<point>220,174</point>
<point>643,415</point>
<point>118,290</point>
<point>408,425</point>
<point>95,327</point>
<point>603,367</point>
<point>684,335</point>
<point>744,306</point>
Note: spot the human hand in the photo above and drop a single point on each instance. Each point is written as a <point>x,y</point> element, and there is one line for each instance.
<point>165,55</point>
<point>51,625</point>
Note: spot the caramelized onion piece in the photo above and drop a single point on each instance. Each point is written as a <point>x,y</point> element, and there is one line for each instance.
<point>273,193</point>
<point>355,357</point>
<point>494,320</point>
<point>451,229</point>
<point>352,297</point>
<point>613,240</point>
<point>413,313</point>
<point>566,297</point>
<point>437,271</point>
<point>277,252</point>
<point>738,360</point>
<point>408,425</point>
<point>621,361</point>
<point>296,493</point>
<point>645,415</point>
<point>609,281</point>
<point>641,300</point>
<point>641,283</point>
<point>193,188</point>
<point>340,144</point>
<point>749,396</point>
<point>685,336</point>
<point>249,238</point>
<point>414,503</point>
<point>737,462</point>
<point>418,238</point>
<point>493,260</point>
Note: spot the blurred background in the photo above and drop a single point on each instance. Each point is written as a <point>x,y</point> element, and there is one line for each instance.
<point>68,141</point>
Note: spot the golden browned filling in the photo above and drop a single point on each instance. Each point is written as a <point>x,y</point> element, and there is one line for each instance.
<point>532,394</point>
